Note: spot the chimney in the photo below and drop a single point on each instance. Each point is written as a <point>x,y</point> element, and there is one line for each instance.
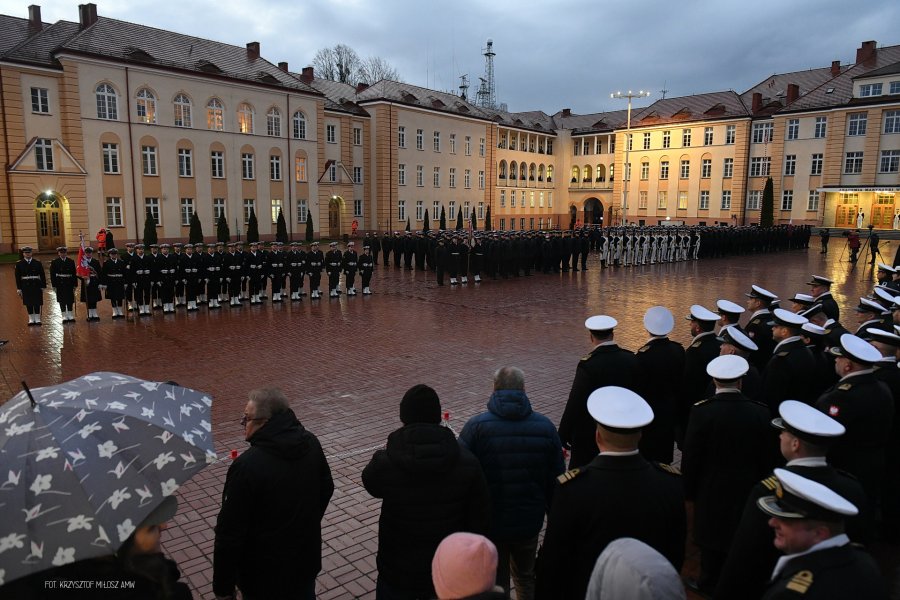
<point>757,102</point>
<point>252,50</point>
<point>361,87</point>
<point>835,68</point>
<point>307,76</point>
<point>87,14</point>
<point>566,112</point>
<point>866,52</point>
<point>283,66</point>
<point>34,18</point>
<point>793,92</point>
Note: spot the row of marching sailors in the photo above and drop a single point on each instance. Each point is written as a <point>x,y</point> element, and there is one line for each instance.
<point>627,246</point>
<point>187,276</point>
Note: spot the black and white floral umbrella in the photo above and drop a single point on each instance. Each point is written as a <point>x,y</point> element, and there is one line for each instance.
<point>88,460</point>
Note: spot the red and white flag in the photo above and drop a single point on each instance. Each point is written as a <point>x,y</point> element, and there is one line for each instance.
<point>83,266</point>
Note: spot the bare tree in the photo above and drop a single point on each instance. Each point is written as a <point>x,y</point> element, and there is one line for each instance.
<point>375,69</point>
<point>342,63</point>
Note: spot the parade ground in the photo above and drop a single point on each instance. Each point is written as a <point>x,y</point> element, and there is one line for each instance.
<point>345,363</point>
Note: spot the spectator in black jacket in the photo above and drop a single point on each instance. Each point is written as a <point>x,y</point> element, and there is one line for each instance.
<point>430,487</point>
<point>269,534</point>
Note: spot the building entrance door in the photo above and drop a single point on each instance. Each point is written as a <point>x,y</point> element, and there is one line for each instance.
<point>334,218</point>
<point>48,214</point>
<point>845,216</point>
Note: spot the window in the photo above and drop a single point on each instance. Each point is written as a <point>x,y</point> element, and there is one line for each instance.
<point>664,169</point>
<point>729,134</point>
<point>816,167</point>
<point>437,141</point>
<point>113,212</point>
<point>148,160</point>
<point>452,182</point>
<point>245,118</point>
<point>300,169</point>
<point>401,210</point>
<point>512,224</point>
<point>793,129</point>
<point>185,162</point>
<point>107,102</point>
<point>247,166</point>
<point>481,211</point>
<point>706,168</point>
<point>248,208</point>
<point>332,172</point>
<point>502,224</point>
<point>726,199</point>
<point>436,177</point>
<point>661,199</point>
<point>870,89</point>
<point>357,175</point>
<point>357,208</point>
<point>273,122</point>
<point>646,141</point>
<point>686,138</point>
<point>217,164</point>
<point>502,198</point>
<point>812,201</point>
<point>182,106</point>
<point>728,168</point>
<point>435,210</point>
<point>275,168</point>
<point>420,176</point>
<point>187,210</point>
<point>549,199</point>
<point>302,211</point>
<point>704,200</point>
<point>401,136</point>
<point>481,181</point>
<point>467,178</point>
<point>754,199</point>
<point>420,139</point>
<point>853,162</point>
<point>598,146</point>
<point>146,106</point>
<point>759,166</point>
<point>151,205</point>
<point>642,199</point>
<point>512,198</point>
<point>531,198</point>
<point>401,174</point>
<point>299,126</point>
<point>645,171</point>
<point>467,212</point>
<point>856,123</point>
<point>276,209</point>
<point>629,145</point>
<point>481,148</point>
<point>219,208</point>
<point>420,210</point>
<point>890,161</point>
<point>111,159</point>
<point>215,115</point>
<point>821,127</point>
<point>40,101</point>
<point>357,136</point>
<point>667,139</point>
<point>895,87</point>
<point>892,121</point>
<point>331,134</point>
<point>790,164</point>
<point>685,171</point>
<point>452,143</point>
<point>452,212</point>
<point>762,132</point>
<point>682,200</point>
<point>787,200</point>
<point>707,136</point>
<point>468,145</point>
<point>628,172</point>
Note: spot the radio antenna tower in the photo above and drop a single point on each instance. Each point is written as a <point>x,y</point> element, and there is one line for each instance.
<point>487,94</point>
<point>464,87</point>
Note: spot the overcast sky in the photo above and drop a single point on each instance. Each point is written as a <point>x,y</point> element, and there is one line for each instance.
<point>549,55</point>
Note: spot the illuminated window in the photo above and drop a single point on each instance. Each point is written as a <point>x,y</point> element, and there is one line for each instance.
<point>182,106</point>
<point>245,118</point>
<point>146,106</point>
<point>215,115</point>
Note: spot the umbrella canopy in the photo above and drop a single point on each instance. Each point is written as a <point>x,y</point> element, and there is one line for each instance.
<point>89,461</point>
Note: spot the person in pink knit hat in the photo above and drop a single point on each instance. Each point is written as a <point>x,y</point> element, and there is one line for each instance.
<point>465,568</point>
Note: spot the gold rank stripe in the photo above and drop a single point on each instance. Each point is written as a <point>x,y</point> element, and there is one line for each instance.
<point>771,482</point>
<point>801,582</point>
<point>568,475</point>
<point>845,386</point>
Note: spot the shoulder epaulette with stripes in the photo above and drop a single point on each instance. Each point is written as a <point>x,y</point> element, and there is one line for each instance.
<point>770,482</point>
<point>568,476</point>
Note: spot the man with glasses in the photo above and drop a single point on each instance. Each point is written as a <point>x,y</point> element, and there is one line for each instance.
<point>269,533</point>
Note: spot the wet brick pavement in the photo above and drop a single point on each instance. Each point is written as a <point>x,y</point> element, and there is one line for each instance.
<point>346,363</point>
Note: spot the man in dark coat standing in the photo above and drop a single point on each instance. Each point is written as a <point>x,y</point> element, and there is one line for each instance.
<point>820,289</point>
<point>63,279</point>
<point>430,487</point>
<point>759,301</point>
<point>606,364</point>
<point>618,494</point>
<point>113,279</point>
<point>30,284</point>
<point>90,284</point>
<point>703,348</point>
<point>790,373</point>
<point>521,456</point>
<point>269,530</point>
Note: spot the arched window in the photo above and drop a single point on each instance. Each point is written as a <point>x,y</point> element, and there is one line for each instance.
<point>273,122</point>
<point>502,169</point>
<point>523,169</point>
<point>299,126</point>
<point>107,102</point>
<point>245,118</point>
<point>587,173</point>
<point>601,173</point>
<point>576,174</point>
<point>215,115</point>
<point>549,173</point>
<point>182,111</point>
<point>513,170</point>
<point>146,106</point>
<point>541,175</point>
<point>532,171</point>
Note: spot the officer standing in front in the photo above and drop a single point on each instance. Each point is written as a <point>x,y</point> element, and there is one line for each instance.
<point>63,281</point>
<point>367,264</point>
<point>30,284</point>
<point>703,348</point>
<point>333,260</point>
<point>349,264</point>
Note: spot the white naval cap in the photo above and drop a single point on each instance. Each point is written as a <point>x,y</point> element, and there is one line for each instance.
<point>658,320</point>
<point>885,337</point>
<point>699,313</point>
<point>808,423</point>
<point>761,293</point>
<point>804,299</point>
<point>727,306</point>
<point>788,319</point>
<point>616,407</point>
<point>882,293</point>
<point>734,336</point>
<point>797,497</point>
<point>728,367</point>
<point>813,330</point>
<point>888,268</point>
<point>866,305</point>
<point>600,323</point>
<point>856,349</point>
<point>820,280</point>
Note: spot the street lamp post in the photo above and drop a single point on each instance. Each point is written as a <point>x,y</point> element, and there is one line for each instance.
<point>626,172</point>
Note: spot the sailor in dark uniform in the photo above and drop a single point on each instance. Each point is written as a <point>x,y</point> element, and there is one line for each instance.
<point>703,348</point>
<point>63,280</point>
<point>191,275</point>
<point>789,373</point>
<point>816,340</point>
<point>296,268</point>
<point>730,313</point>
<point>129,290</point>
<point>256,272</point>
<point>819,562</point>
<point>30,284</point>
<point>178,255</point>
<point>140,279</point>
<point>367,264</point>
<point>168,273</point>
<point>90,285</point>
<point>315,262</point>
<point>113,279</point>
<point>333,260</point>
<point>277,270</point>
<point>606,364</point>
<point>735,341</point>
<point>212,275</point>
<point>349,263</point>
<point>886,370</point>
<point>759,300</point>
<point>820,289</point>
<point>585,516</point>
<point>871,314</point>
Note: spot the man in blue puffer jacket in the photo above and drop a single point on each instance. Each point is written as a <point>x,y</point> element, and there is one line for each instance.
<point>521,456</point>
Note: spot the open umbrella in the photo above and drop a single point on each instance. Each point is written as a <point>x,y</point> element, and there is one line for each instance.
<point>83,462</point>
